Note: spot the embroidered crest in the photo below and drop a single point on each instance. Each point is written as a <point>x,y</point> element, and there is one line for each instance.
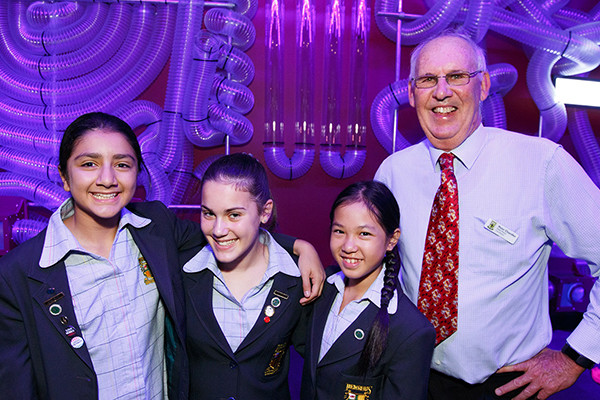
<point>148,278</point>
<point>357,392</point>
<point>276,359</point>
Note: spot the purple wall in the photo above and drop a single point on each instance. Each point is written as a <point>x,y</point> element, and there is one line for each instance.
<point>303,204</point>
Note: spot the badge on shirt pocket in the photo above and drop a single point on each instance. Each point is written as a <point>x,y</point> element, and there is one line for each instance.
<point>276,359</point>
<point>357,392</point>
<point>501,231</point>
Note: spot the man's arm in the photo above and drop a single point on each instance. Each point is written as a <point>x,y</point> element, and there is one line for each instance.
<point>572,206</point>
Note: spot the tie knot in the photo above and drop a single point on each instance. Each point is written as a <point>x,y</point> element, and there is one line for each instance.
<point>446,161</point>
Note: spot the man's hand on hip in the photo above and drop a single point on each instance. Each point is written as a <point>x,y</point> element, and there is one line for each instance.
<point>546,373</point>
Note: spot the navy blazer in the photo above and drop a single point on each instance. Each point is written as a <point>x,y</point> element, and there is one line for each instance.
<point>37,360</point>
<point>402,373</point>
<point>258,369</point>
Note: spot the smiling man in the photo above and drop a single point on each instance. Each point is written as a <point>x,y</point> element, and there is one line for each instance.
<point>480,210</point>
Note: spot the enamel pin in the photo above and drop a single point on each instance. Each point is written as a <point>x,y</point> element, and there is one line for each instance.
<point>281,294</point>
<point>359,334</point>
<point>70,331</point>
<point>55,309</point>
<point>275,302</point>
<point>269,312</point>
<point>77,342</point>
<point>53,299</point>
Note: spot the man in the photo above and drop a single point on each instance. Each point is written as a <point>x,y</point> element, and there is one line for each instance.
<point>516,196</point>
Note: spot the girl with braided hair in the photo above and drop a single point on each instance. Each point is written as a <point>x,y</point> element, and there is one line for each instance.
<point>366,340</point>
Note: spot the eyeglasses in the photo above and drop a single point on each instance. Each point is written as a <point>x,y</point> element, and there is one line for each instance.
<point>454,79</point>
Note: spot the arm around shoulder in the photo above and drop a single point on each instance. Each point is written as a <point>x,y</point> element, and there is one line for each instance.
<point>309,263</point>
<point>186,233</point>
<point>311,269</point>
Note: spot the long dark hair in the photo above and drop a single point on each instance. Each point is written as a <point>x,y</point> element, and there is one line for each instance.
<point>244,172</point>
<point>90,122</point>
<point>383,206</point>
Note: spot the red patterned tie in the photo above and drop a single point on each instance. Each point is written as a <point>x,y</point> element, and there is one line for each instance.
<point>438,289</point>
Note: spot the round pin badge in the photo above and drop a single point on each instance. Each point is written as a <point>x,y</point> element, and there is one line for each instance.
<point>55,309</point>
<point>269,311</point>
<point>275,302</point>
<point>359,334</point>
<point>77,342</point>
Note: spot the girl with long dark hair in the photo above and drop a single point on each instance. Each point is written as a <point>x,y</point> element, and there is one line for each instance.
<point>366,340</point>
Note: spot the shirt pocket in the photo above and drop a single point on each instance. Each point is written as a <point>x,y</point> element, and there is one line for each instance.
<point>499,245</point>
<point>498,229</point>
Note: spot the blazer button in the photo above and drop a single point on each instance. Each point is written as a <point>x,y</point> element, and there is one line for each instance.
<point>232,365</point>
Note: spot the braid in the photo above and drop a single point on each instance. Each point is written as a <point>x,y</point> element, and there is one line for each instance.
<point>390,279</point>
<point>377,338</point>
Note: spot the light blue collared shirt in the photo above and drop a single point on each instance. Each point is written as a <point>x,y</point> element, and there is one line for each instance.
<point>338,321</point>
<point>120,315</point>
<point>236,318</point>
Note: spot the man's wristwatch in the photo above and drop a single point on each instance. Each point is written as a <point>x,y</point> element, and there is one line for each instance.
<point>580,360</point>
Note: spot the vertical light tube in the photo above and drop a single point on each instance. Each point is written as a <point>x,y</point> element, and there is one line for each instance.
<point>274,19</point>
<point>357,118</point>
<point>334,32</point>
<point>305,66</point>
<point>304,153</point>
<point>397,70</point>
<point>332,161</point>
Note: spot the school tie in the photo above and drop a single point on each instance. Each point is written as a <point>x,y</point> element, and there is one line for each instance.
<point>438,288</point>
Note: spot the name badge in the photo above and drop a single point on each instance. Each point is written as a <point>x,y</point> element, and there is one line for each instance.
<point>501,231</point>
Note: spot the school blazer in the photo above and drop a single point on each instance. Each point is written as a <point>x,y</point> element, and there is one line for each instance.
<point>402,373</point>
<point>258,369</point>
<point>37,360</point>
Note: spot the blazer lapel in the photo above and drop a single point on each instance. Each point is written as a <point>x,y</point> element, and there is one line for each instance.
<point>50,288</point>
<point>199,296</point>
<point>153,249</point>
<point>280,290</point>
<point>320,313</point>
<point>353,339</point>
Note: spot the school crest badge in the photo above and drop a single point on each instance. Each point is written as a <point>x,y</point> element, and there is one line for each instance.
<point>148,278</point>
<point>276,359</point>
<point>357,392</point>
